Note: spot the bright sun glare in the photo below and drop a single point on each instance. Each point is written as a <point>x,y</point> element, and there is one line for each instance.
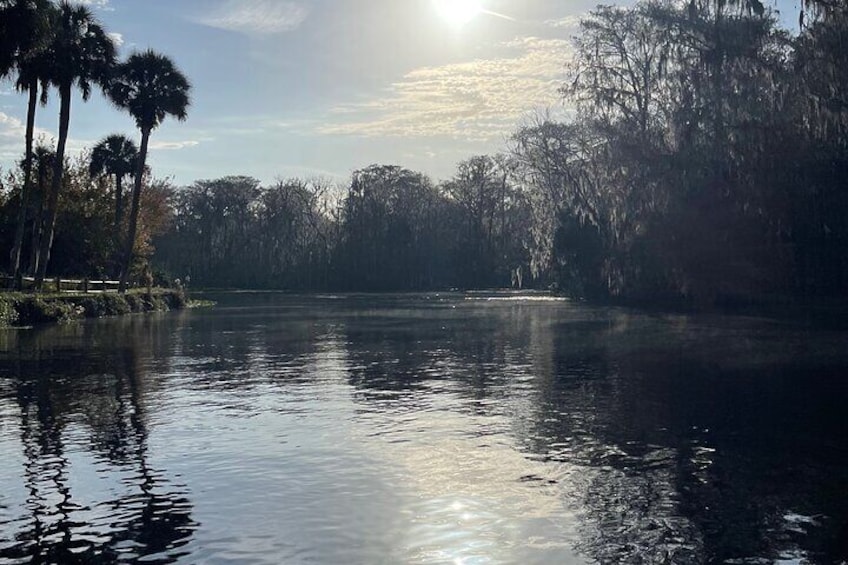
<point>458,12</point>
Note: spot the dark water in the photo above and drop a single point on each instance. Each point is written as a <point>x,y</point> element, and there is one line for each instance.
<point>423,429</point>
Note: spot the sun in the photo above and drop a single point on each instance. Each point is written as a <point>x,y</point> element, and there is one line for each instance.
<point>458,12</point>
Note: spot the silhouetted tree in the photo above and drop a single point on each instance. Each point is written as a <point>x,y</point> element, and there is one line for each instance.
<point>115,155</point>
<point>82,54</point>
<point>150,87</point>
<point>30,24</point>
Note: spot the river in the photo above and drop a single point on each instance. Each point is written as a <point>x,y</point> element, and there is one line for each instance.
<point>425,428</point>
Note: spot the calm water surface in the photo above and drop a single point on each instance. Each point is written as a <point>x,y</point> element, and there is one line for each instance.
<point>423,429</point>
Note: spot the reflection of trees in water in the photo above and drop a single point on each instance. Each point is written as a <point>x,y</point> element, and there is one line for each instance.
<point>669,446</point>
<point>386,361</point>
<point>679,455</point>
<point>105,391</point>
<point>238,354</point>
<point>675,444</point>
<point>475,351</point>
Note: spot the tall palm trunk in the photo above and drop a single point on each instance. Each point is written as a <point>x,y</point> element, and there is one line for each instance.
<point>22,213</point>
<point>55,185</point>
<point>38,223</point>
<point>119,219</point>
<point>136,203</point>
<point>119,204</point>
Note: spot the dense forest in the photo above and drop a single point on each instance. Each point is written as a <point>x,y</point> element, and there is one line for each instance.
<point>707,161</point>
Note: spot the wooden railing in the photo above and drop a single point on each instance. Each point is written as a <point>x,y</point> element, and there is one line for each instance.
<point>59,284</point>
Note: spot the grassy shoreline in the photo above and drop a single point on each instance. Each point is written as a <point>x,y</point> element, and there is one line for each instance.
<point>22,309</point>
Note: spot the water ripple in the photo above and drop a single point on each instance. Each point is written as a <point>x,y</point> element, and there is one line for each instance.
<point>437,428</point>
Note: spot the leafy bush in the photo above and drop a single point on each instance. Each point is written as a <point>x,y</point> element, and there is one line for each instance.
<point>8,312</point>
<point>97,306</point>
<point>38,310</point>
<point>28,310</point>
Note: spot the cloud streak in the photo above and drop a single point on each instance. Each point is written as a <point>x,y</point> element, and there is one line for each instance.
<point>482,100</point>
<point>173,145</point>
<point>256,16</point>
<point>570,23</point>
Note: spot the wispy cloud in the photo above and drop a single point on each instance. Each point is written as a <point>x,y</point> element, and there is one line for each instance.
<point>568,23</point>
<point>256,16</point>
<point>482,100</point>
<point>173,145</point>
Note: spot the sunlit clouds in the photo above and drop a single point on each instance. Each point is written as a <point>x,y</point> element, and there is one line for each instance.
<point>291,85</point>
<point>117,38</point>
<point>479,100</point>
<point>12,132</point>
<point>11,136</point>
<point>256,16</point>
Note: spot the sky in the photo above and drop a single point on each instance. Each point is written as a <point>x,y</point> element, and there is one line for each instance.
<point>321,88</point>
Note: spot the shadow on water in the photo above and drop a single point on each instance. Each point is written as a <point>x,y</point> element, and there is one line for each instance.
<point>697,442</point>
<point>95,498</point>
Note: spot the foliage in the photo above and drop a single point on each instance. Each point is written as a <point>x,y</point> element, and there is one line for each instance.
<point>706,159</point>
<point>81,54</point>
<point>8,312</point>
<point>28,310</point>
<point>149,87</point>
<point>115,155</point>
<point>491,216</point>
<point>84,243</point>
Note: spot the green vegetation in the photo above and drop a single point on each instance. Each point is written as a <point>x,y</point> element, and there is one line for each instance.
<point>19,309</point>
<point>62,45</point>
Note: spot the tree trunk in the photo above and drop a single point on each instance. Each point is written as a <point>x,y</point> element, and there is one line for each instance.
<point>38,222</point>
<point>55,185</point>
<point>136,201</point>
<point>119,205</point>
<point>119,218</point>
<point>22,213</point>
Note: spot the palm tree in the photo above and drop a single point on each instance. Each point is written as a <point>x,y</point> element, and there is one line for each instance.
<point>82,54</point>
<point>44,159</point>
<point>150,87</point>
<point>17,19</point>
<point>30,24</point>
<point>115,155</point>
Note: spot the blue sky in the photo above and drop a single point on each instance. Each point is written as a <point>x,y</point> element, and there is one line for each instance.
<point>323,87</point>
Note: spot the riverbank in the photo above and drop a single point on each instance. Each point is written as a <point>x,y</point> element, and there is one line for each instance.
<point>23,309</point>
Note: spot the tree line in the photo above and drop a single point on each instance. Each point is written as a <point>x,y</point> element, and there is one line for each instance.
<point>706,163</point>
<point>388,229</point>
<point>44,46</point>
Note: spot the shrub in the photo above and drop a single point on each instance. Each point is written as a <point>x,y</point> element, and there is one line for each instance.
<point>38,310</point>
<point>8,312</point>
